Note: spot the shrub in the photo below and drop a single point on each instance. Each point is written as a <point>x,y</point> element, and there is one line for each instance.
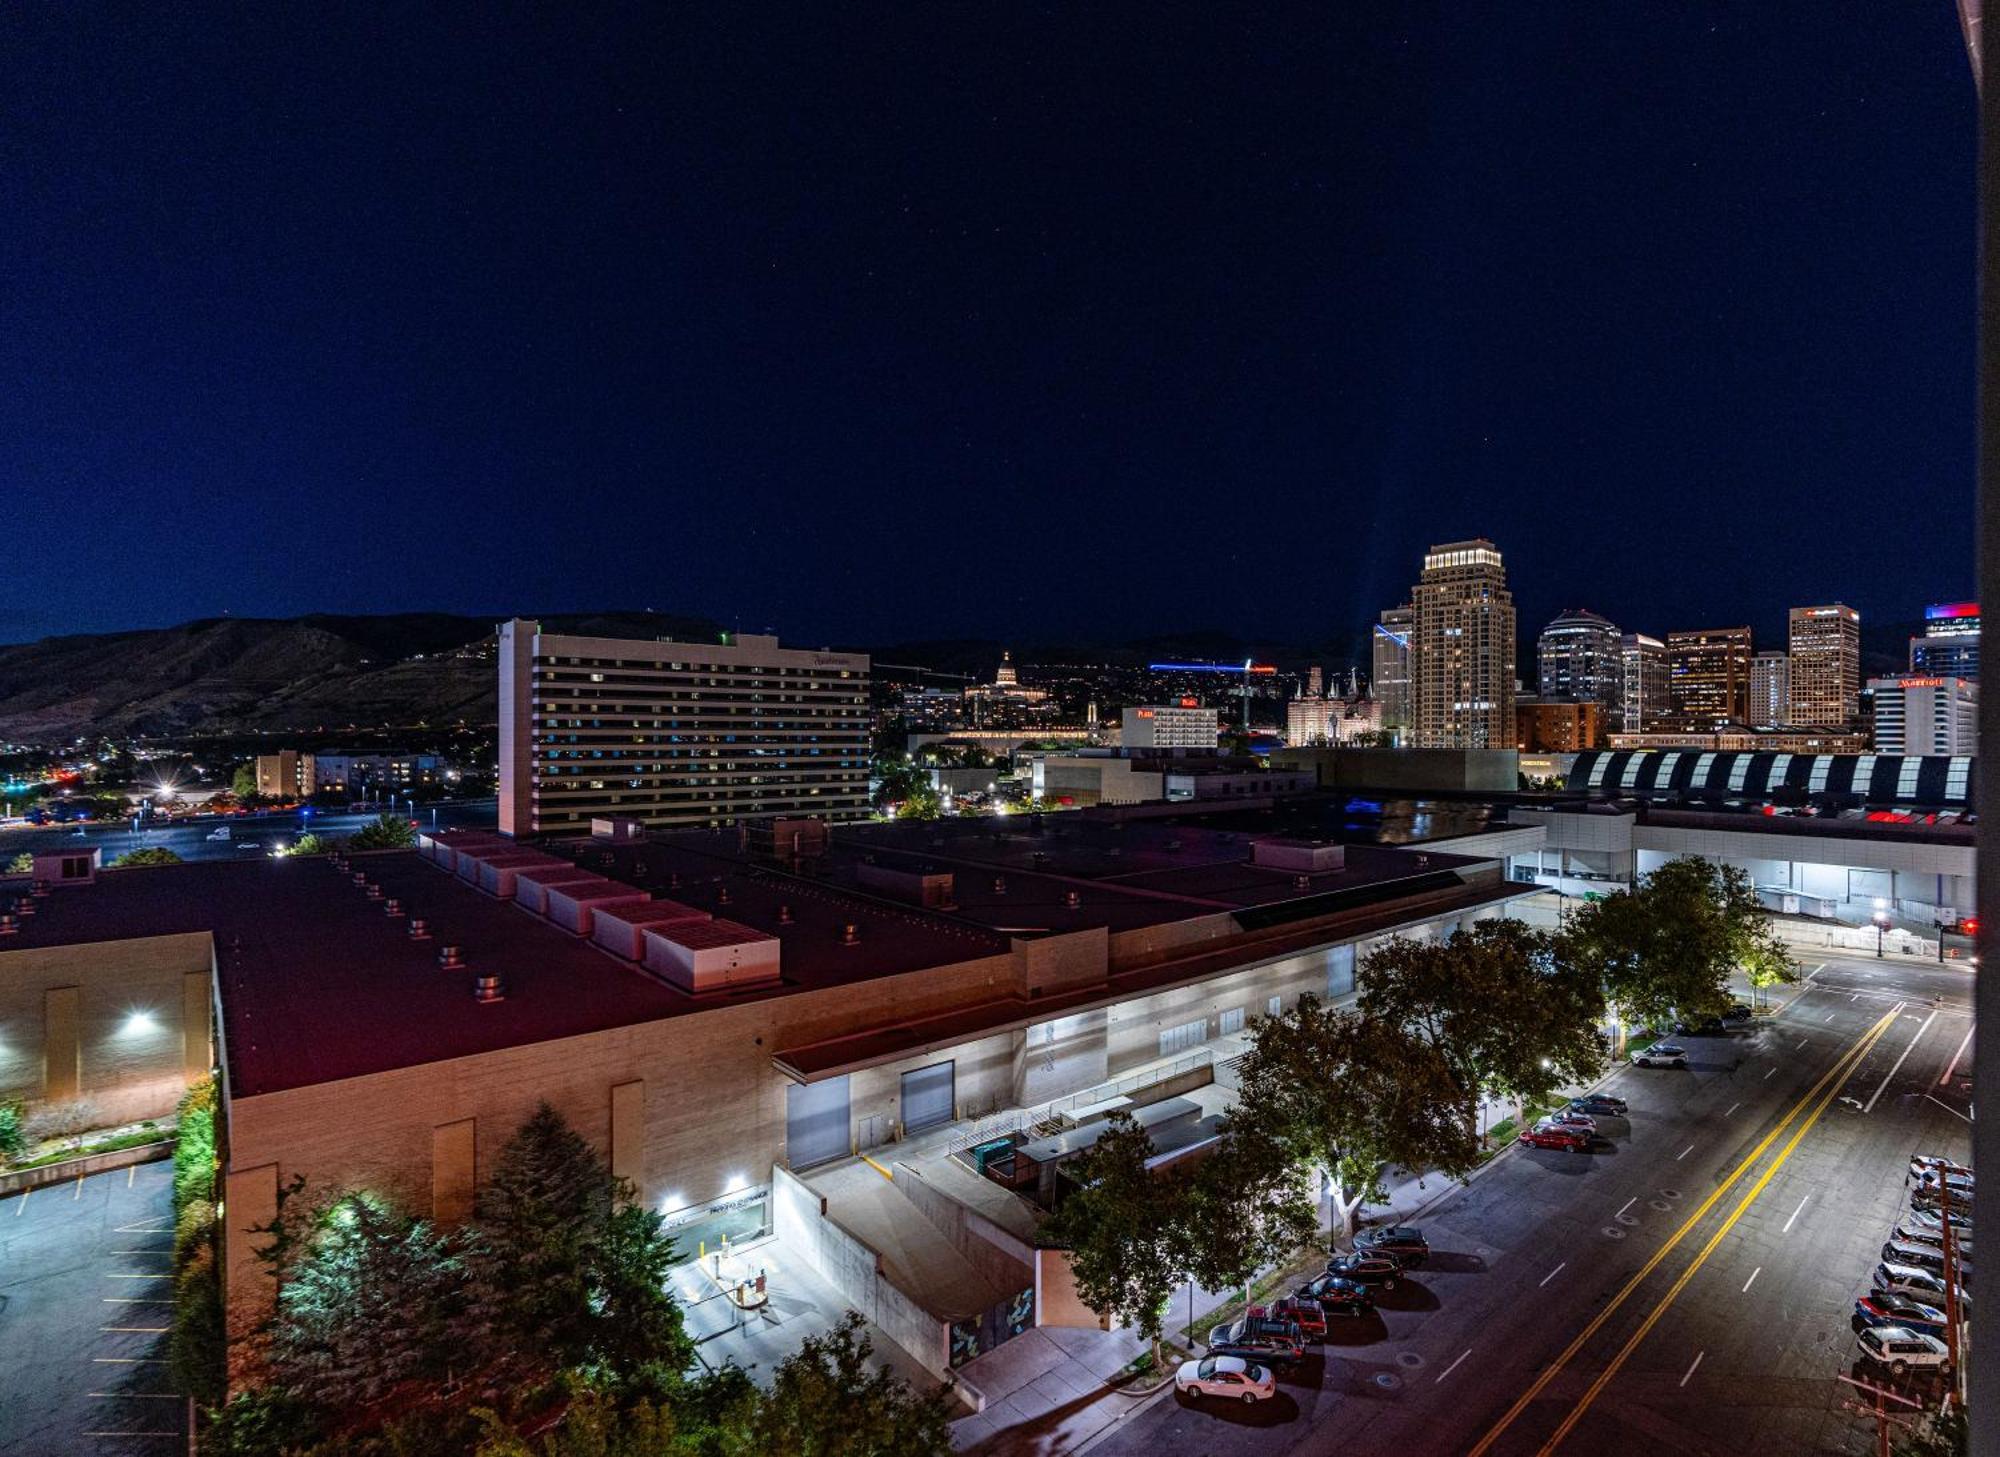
<point>258,1423</point>
<point>135,859</point>
<point>197,1348</point>
<point>13,1132</point>
<point>194,1230</point>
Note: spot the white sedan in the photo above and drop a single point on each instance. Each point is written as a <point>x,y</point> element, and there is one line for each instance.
<point>1230,1377</point>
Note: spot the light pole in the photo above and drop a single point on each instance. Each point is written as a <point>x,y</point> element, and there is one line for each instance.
<point>1881,925</point>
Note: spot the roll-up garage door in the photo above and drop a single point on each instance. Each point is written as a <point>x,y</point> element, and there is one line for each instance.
<point>816,1122</point>
<point>927,1097</point>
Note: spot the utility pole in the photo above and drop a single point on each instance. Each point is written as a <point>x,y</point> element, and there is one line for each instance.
<point>1880,1411</point>
<point>1950,1284</point>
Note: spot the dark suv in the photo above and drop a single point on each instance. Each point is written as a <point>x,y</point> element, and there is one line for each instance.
<point>1404,1241</point>
<point>1336,1295</point>
<point>1276,1342</point>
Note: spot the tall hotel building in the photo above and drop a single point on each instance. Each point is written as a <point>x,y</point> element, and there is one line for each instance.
<point>1462,650</point>
<point>1770,689</point>
<point>676,733</point>
<point>1708,679</point>
<point>1826,665</point>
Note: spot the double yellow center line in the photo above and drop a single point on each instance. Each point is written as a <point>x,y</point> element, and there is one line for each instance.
<point>1821,1094</point>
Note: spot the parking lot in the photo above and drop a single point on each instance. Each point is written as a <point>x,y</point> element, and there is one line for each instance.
<point>85,1303</point>
<point>1686,1285</point>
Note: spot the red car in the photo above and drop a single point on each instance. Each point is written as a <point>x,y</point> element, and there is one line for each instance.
<point>1555,1135</point>
<point>1311,1319</point>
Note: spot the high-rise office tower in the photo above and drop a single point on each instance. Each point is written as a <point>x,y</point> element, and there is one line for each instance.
<point>1949,647</point>
<point>1826,665</point>
<point>1770,688</point>
<point>1582,658</point>
<point>1391,686</point>
<point>1642,683</point>
<point>1708,678</point>
<point>676,733</point>
<point>1462,650</point>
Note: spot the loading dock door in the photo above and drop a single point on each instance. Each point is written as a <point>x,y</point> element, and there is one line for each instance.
<point>927,1096</point>
<point>816,1123</point>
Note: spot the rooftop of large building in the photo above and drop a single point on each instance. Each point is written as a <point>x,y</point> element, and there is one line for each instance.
<point>319,983</point>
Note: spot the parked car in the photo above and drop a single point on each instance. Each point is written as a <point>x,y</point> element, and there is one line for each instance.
<point>1933,1220</point>
<point>1556,1135</point>
<point>1925,1164</point>
<point>1274,1342</point>
<point>1570,1118</point>
<point>1960,1184</point>
<point>1403,1241</point>
<point>1879,1307</point>
<point>1660,1054</point>
<point>1337,1295</point>
<point>1931,1197</point>
<point>1229,1377</point>
<point>1924,1257</point>
<point>1739,1012</point>
<point>1900,1279</point>
<point>1908,1231</point>
<point>1902,1349</point>
<point>1600,1104</point>
<point>1307,1315</point>
<point>1367,1269</point>
<point>1700,1027</point>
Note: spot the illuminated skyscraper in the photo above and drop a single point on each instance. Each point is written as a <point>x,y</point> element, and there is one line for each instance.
<point>1949,647</point>
<point>1770,688</point>
<point>1826,665</point>
<point>1462,650</point>
<point>1642,683</point>
<point>1391,684</point>
<point>1581,658</point>
<point>1708,678</point>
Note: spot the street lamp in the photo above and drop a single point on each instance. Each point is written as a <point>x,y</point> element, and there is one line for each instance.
<point>1881,925</point>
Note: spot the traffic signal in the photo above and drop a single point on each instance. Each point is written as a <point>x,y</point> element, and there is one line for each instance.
<point>1969,925</point>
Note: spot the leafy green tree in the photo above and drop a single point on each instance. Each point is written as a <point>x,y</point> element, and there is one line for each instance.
<point>13,1132</point>
<point>1351,1095</point>
<point>373,1299</point>
<point>636,1327</point>
<point>1667,947</point>
<point>1938,1434</point>
<point>1512,1013</point>
<point>243,783</point>
<point>829,1400</point>
<point>310,843</point>
<point>922,803</point>
<point>1371,739</point>
<point>152,855</point>
<point>22,864</point>
<point>386,832</point>
<point>1121,1226</point>
<point>1246,1205</point>
<point>897,781</point>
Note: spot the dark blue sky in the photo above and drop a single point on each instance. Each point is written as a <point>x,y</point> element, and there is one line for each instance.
<point>925,320</point>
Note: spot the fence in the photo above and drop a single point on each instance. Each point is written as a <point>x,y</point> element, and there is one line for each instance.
<point>1014,1120</point>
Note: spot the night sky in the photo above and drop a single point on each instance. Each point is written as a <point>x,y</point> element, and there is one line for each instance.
<point>1026,322</point>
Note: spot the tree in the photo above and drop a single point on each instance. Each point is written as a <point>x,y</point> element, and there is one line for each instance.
<point>896,782</point>
<point>386,832</point>
<point>549,1201</point>
<point>310,843</point>
<point>828,1401</point>
<point>1508,1008</point>
<point>243,783</point>
<point>1371,739</point>
<point>1246,1205</point>
<point>1667,947</point>
<point>922,803</point>
<point>22,864</point>
<point>13,1133</point>
<point>374,1298</point>
<point>152,855</point>
<point>1120,1226</point>
<point>582,1275</point>
<point>1351,1095</point>
<point>1938,1434</point>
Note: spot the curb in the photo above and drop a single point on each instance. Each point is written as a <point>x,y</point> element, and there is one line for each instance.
<point>43,1175</point>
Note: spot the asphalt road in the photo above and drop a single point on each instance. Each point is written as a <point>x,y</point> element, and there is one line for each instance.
<point>1686,1288</point>
<point>248,834</point>
<point>84,1309</point>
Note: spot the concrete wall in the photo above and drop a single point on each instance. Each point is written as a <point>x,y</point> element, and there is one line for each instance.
<point>799,1218</point>
<point>1001,1259</point>
<point>124,1024</point>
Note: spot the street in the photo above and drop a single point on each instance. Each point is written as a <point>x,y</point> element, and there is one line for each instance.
<point>249,834</point>
<point>1684,1288</point>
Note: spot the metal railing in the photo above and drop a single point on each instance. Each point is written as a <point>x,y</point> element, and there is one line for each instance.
<point>1014,1120</point>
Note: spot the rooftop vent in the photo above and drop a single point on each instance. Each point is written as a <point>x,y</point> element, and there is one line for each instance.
<point>850,935</point>
<point>10,924</point>
<point>360,877</point>
<point>488,987</point>
<point>374,891</point>
<point>784,915</point>
<point>25,905</point>
<point>1072,899</point>
<point>392,907</point>
<point>999,885</point>
<point>722,896</point>
<point>420,929</point>
<point>449,959</point>
<point>41,890</point>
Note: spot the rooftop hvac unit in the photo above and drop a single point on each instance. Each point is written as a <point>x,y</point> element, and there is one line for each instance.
<point>488,987</point>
